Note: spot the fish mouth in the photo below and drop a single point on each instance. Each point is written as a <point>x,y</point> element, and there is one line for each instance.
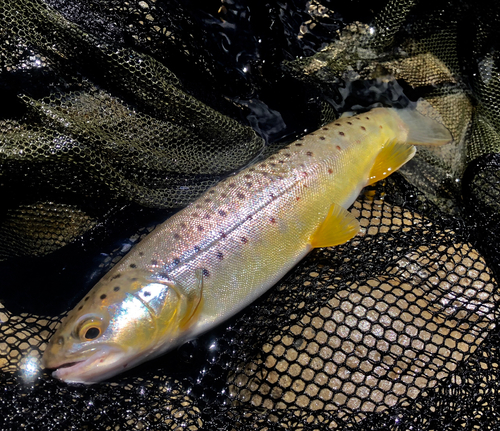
<point>96,364</point>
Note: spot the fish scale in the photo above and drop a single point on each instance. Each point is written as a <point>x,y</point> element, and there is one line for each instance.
<point>213,258</point>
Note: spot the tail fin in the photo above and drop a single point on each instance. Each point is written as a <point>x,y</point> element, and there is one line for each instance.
<point>423,130</point>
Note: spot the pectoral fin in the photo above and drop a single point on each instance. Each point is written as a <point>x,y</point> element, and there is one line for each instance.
<point>194,300</point>
<point>390,159</point>
<point>338,227</point>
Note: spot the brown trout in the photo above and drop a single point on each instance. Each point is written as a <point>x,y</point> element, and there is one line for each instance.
<point>216,256</point>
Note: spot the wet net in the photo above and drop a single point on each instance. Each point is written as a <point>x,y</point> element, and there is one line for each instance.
<point>115,113</point>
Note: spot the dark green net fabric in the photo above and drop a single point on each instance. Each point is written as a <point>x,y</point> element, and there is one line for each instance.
<point>115,113</point>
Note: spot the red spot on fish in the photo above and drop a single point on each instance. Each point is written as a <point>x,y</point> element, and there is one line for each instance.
<point>244,240</point>
<point>338,147</point>
<point>380,127</point>
<point>298,198</point>
<point>330,171</point>
<point>272,220</point>
<point>305,174</point>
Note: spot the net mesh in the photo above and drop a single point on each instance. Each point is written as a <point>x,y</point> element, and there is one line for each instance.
<point>115,112</point>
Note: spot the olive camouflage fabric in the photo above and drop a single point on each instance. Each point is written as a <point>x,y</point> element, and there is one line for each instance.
<point>115,113</point>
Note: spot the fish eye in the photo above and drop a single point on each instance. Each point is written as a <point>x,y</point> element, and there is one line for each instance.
<point>89,329</point>
<point>92,333</point>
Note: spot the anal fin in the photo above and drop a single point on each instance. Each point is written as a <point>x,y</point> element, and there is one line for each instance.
<point>390,159</point>
<point>338,227</point>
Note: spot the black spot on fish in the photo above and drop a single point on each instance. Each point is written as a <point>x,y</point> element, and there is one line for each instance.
<point>232,185</point>
<point>322,138</point>
<point>133,265</point>
<point>211,192</point>
<point>222,213</point>
<point>208,200</point>
<point>251,170</point>
<point>80,307</point>
<point>298,144</point>
<point>141,253</point>
<point>176,261</point>
<point>247,176</point>
<point>200,228</point>
<point>134,279</point>
<point>223,234</point>
<point>116,288</point>
<point>249,184</point>
<point>338,124</point>
<point>249,217</point>
<point>272,158</point>
<point>363,128</point>
<point>220,255</point>
<point>244,239</point>
<point>367,118</point>
<point>154,262</point>
<point>206,272</point>
<point>87,298</point>
<point>183,225</point>
<point>177,236</point>
<point>309,153</point>
<point>207,216</point>
<point>147,293</point>
<point>103,296</point>
<point>262,165</point>
<point>287,154</point>
<point>341,133</point>
<point>116,276</point>
<point>196,248</point>
<point>272,165</point>
<point>350,124</point>
<point>240,196</point>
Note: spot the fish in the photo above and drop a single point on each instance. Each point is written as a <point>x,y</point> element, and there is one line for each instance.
<point>220,253</point>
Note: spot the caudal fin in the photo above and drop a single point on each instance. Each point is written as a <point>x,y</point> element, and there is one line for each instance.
<point>424,130</point>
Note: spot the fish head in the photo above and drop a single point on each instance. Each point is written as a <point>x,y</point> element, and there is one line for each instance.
<point>119,324</point>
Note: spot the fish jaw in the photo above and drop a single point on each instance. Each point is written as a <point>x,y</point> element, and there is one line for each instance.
<point>94,365</point>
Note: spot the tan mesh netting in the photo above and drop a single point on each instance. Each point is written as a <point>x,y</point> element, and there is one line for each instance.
<point>115,112</point>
